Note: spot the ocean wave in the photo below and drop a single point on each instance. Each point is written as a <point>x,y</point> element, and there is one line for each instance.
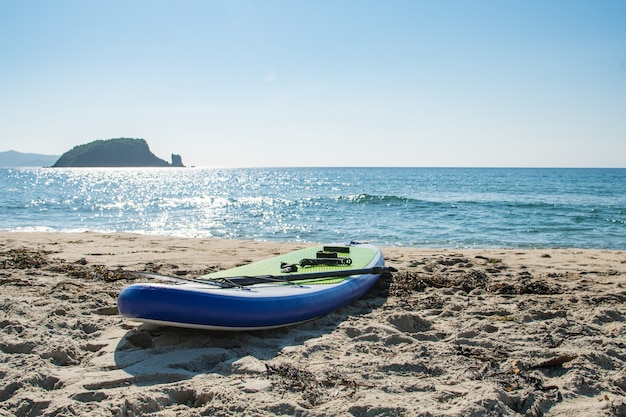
<point>379,199</point>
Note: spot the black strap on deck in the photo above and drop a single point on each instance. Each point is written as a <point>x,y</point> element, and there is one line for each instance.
<point>328,257</point>
<point>337,249</point>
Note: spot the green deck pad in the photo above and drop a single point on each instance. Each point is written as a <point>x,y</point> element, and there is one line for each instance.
<point>321,281</point>
<point>361,258</point>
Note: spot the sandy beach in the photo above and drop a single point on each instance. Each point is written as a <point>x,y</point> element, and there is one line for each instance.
<point>501,332</point>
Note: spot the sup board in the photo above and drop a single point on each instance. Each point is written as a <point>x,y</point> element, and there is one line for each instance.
<point>285,290</point>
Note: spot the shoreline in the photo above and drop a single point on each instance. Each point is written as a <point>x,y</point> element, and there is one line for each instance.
<point>453,332</point>
<point>23,234</point>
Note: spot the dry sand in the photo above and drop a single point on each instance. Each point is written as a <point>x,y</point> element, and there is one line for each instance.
<point>453,333</point>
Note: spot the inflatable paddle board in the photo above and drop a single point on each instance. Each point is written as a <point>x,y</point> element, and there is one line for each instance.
<point>281,291</point>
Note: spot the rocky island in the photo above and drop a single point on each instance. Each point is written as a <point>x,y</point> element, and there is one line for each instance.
<point>120,152</point>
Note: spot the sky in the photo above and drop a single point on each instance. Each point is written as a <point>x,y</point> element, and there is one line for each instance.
<point>269,83</point>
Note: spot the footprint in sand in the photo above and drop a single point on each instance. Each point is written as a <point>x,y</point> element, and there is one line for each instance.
<point>409,322</point>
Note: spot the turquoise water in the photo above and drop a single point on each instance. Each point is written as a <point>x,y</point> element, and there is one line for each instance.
<point>423,207</point>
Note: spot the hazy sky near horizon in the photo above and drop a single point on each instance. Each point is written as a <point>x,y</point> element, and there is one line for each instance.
<point>243,83</point>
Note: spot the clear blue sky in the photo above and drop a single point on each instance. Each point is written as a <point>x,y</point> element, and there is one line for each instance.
<point>320,82</point>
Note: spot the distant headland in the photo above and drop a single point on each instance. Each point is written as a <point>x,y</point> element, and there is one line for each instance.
<point>14,159</point>
<point>120,152</point>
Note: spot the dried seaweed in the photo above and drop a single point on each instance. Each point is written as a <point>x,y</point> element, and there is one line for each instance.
<point>473,280</point>
<point>31,259</point>
<point>404,284</point>
<point>530,286</point>
<point>315,391</point>
<point>409,282</point>
<point>92,272</point>
<point>23,259</point>
<point>489,260</point>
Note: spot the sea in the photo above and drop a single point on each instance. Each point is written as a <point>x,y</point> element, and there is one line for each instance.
<point>407,207</point>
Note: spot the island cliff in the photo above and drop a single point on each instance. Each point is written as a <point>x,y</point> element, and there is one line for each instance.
<point>121,152</point>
